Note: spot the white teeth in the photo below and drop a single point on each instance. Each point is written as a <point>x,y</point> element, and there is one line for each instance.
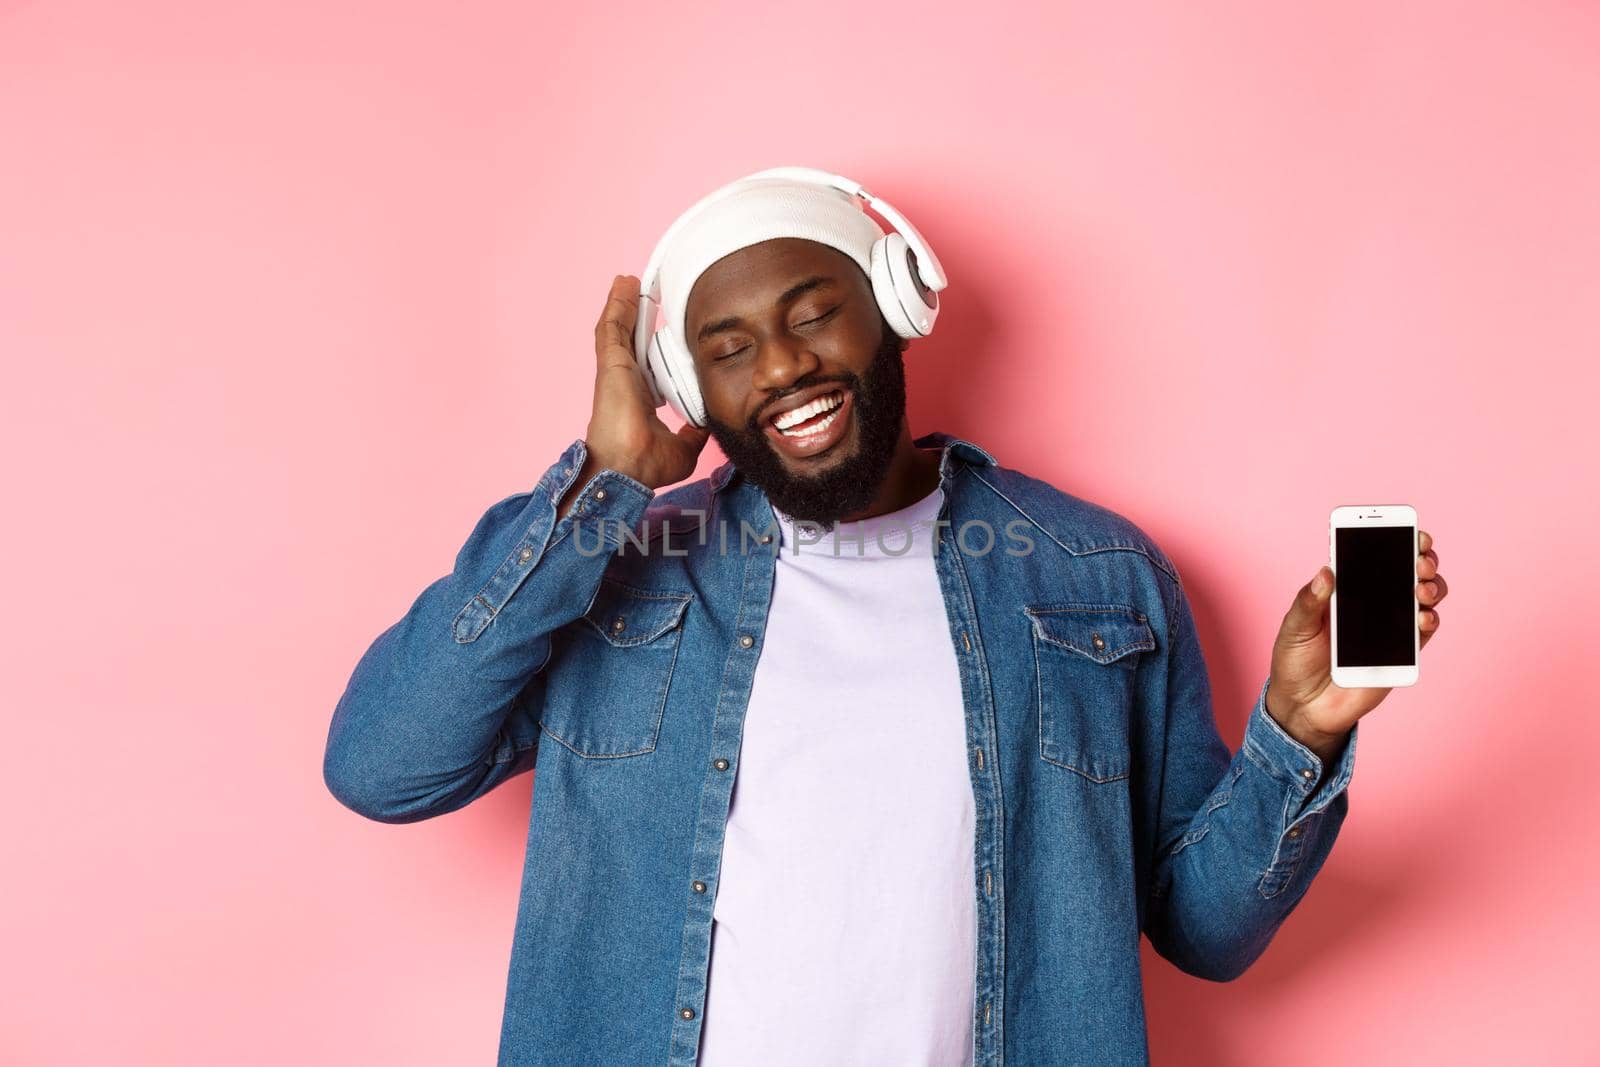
<point>811,431</point>
<point>806,411</point>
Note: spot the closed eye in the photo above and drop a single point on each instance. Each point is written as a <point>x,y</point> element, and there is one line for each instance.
<point>809,322</point>
<point>825,315</point>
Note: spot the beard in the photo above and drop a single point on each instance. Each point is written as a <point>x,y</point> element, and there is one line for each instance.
<point>850,485</point>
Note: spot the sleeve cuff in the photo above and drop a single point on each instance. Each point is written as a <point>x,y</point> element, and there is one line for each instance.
<point>609,502</point>
<point>1312,786</point>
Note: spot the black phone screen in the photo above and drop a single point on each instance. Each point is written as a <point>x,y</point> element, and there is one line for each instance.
<point>1375,569</point>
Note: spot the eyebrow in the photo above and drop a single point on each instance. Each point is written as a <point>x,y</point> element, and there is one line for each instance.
<point>816,281</point>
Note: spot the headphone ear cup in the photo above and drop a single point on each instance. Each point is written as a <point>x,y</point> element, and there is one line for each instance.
<point>675,377</point>
<point>659,377</point>
<point>649,364</point>
<point>895,285</point>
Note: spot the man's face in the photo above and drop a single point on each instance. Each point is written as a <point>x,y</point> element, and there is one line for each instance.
<point>775,326</point>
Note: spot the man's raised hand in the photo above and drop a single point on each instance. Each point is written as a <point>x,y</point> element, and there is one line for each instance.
<point>625,434</point>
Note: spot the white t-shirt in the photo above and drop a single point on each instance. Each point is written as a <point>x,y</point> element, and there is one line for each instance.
<point>844,929</point>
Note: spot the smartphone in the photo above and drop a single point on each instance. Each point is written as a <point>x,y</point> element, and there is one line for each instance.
<point>1376,637</point>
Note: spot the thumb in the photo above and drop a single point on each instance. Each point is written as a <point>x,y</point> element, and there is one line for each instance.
<point>1304,620</point>
<point>692,435</point>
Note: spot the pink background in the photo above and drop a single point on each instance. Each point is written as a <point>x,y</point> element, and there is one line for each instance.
<point>289,294</point>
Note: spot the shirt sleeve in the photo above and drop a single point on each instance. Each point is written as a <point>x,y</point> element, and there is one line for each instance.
<point>444,704</point>
<point>1277,754</point>
<point>1238,837</point>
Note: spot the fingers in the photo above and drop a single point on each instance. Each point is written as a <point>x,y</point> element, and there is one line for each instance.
<point>693,436</point>
<point>1432,591</point>
<point>1425,552</point>
<point>615,328</point>
<point>1433,587</point>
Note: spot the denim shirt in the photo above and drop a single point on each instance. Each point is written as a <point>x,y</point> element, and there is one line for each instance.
<point>611,651</point>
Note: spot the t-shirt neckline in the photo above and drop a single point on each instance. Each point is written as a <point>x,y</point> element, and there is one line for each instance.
<point>879,535</point>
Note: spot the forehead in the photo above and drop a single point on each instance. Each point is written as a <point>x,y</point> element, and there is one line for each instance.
<point>752,278</point>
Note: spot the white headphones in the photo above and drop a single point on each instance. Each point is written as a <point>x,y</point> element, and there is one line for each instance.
<point>906,279</point>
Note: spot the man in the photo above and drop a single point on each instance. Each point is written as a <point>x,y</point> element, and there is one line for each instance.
<point>866,749</point>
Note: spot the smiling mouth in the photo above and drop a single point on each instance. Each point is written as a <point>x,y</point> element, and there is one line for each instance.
<point>807,421</point>
<point>814,428</point>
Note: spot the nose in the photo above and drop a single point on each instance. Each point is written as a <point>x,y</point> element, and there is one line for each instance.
<point>781,361</point>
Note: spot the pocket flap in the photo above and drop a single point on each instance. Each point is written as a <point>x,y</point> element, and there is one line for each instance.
<point>1103,632</point>
<point>626,615</point>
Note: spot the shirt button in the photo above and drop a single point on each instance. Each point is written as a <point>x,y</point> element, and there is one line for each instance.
<point>720,764</point>
<point>566,470</point>
<point>1307,773</point>
<point>1295,832</point>
<point>699,887</point>
<point>765,538</point>
<point>1099,642</point>
<point>687,1013</point>
<point>617,624</point>
<point>745,641</point>
<point>599,494</point>
<point>525,555</point>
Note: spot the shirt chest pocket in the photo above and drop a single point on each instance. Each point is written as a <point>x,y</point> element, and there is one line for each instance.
<point>1085,657</point>
<point>610,670</point>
